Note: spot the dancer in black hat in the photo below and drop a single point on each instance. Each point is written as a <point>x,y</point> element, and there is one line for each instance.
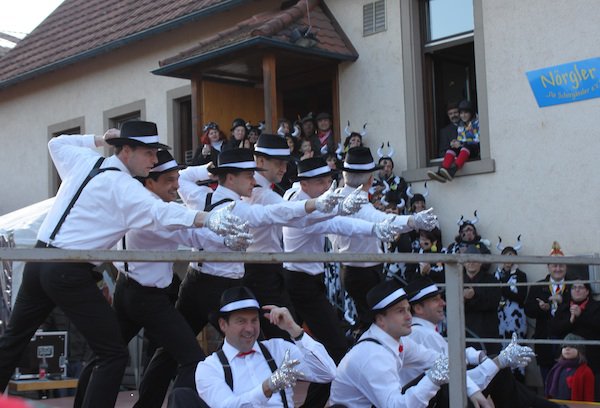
<point>97,203</point>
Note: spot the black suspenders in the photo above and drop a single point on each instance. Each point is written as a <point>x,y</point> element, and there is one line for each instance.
<point>208,206</point>
<point>93,173</point>
<point>270,362</point>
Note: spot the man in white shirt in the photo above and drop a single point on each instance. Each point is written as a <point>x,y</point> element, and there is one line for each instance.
<point>427,306</point>
<point>203,285</point>
<point>265,280</point>
<point>96,204</point>
<point>369,375</point>
<point>305,280</point>
<point>241,375</point>
<point>359,277</point>
<point>142,297</point>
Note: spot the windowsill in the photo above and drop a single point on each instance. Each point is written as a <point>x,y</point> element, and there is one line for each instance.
<point>486,165</point>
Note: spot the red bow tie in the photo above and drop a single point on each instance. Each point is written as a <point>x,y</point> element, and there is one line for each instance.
<point>245,353</point>
<point>400,348</point>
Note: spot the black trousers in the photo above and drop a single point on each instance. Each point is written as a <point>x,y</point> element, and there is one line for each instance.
<point>150,308</point>
<point>267,283</point>
<point>308,294</point>
<point>199,297</point>
<point>358,281</point>
<point>72,287</point>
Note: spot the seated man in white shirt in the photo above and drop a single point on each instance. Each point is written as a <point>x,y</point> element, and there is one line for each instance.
<point>241,375</point>
<point>369,375</point>
<point>427,307</point>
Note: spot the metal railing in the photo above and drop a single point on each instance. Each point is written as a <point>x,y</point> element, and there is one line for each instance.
<point>454,281</point>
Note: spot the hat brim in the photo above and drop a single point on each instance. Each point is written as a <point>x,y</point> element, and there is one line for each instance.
<point>288,157</point>
<point>122,141</point>
<point>329,173</point>
<point>224,170</point>
<point>363,170</point>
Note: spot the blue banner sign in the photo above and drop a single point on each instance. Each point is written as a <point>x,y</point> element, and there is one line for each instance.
<point>566,83</point>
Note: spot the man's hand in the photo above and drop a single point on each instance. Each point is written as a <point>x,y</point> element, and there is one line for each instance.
<point>239,241</point>
<point>386,230</point>
<point>224,222</point>
<point>468,293</point>
<point>100,141</point>
<point>424,220</point>
<point>480,401</point>
<point>353,202</point>
<point>282,318</point>
<point>286,375</point>
<point>543,305</point>
<point>327,201</point>
<point>575,312</point>
<point>514,355</point>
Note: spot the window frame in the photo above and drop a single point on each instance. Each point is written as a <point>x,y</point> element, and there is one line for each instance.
<point>55,130</point>
<point>414,95</point>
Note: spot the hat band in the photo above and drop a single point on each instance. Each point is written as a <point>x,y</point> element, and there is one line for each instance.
<point>144,139</point>
<point>239,165</point>
<point>397,294</point>
<point>165,166</point>
<point>239,304</point>
<point>315,172</point>
<point>424,292</point>
<point>353,166</point>
<point>271,151</point>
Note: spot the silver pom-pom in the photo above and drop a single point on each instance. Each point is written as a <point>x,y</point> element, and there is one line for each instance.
<point>286,375</point>
<point>425,220</point>
<point>353,202</point>
<point>327,201</point>
<point>515,355</point>
<point>439,372</point>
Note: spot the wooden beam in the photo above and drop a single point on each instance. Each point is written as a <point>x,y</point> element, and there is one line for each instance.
<point>197,110</point>
<point>270,91</point>
<point>335,102</point>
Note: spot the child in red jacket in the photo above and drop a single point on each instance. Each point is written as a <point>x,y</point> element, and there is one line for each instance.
<point>571,379</point>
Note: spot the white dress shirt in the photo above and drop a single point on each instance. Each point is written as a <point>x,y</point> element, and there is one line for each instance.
<point>367,212</point>
<point>194,196</point>
<point>251,370</point>
<point>311,239</point>
<point>267,238</point>
<point>160,274</point>
<point>370,373</point>
<point>111,203</point>
<point>423,332</point>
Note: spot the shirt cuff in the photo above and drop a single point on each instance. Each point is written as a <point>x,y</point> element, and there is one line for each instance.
<point>257,396</point>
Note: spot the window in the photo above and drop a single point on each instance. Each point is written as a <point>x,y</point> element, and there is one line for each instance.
<point>374,17</point>
<point>70,127</point>
<point>443,61</point>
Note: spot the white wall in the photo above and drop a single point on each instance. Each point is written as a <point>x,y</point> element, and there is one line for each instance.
<point>545,186</point>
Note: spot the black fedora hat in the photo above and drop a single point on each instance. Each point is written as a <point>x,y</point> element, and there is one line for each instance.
<point>138,133</point>
<point>166,163</point>
<point>237,298</point>
<point>312,168</point>
<point>272,146</point>
<point>421,289</point>
<point>234,161</point>
<point>385,295</point>
<point>360,160</point>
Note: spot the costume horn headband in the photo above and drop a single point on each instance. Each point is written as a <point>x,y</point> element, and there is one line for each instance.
<point>362,133</point>
<point>425,193</point>
<point>462,221</point>
<point>517,246</point>
<point>389,148</point>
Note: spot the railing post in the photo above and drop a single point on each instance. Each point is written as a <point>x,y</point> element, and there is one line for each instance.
<point>455,309</point>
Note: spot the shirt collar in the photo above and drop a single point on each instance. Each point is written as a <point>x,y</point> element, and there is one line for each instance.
<point>114,161</point>
<point>226,193</point>
<point>385,339</point>
<point>261,180</point>
<point>231,352</point>
<point>422,322</point>
<point>560,282</point>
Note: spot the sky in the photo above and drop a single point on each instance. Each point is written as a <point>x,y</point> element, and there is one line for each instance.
<point>20,17</point>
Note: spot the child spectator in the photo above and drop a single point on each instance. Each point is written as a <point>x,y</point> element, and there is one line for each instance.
<point>464,147</point>
<point>429,242</point>
<point>571,379</point>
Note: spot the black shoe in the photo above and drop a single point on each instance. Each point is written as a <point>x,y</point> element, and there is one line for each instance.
<point>449,172</point>
<point>436,175</point>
